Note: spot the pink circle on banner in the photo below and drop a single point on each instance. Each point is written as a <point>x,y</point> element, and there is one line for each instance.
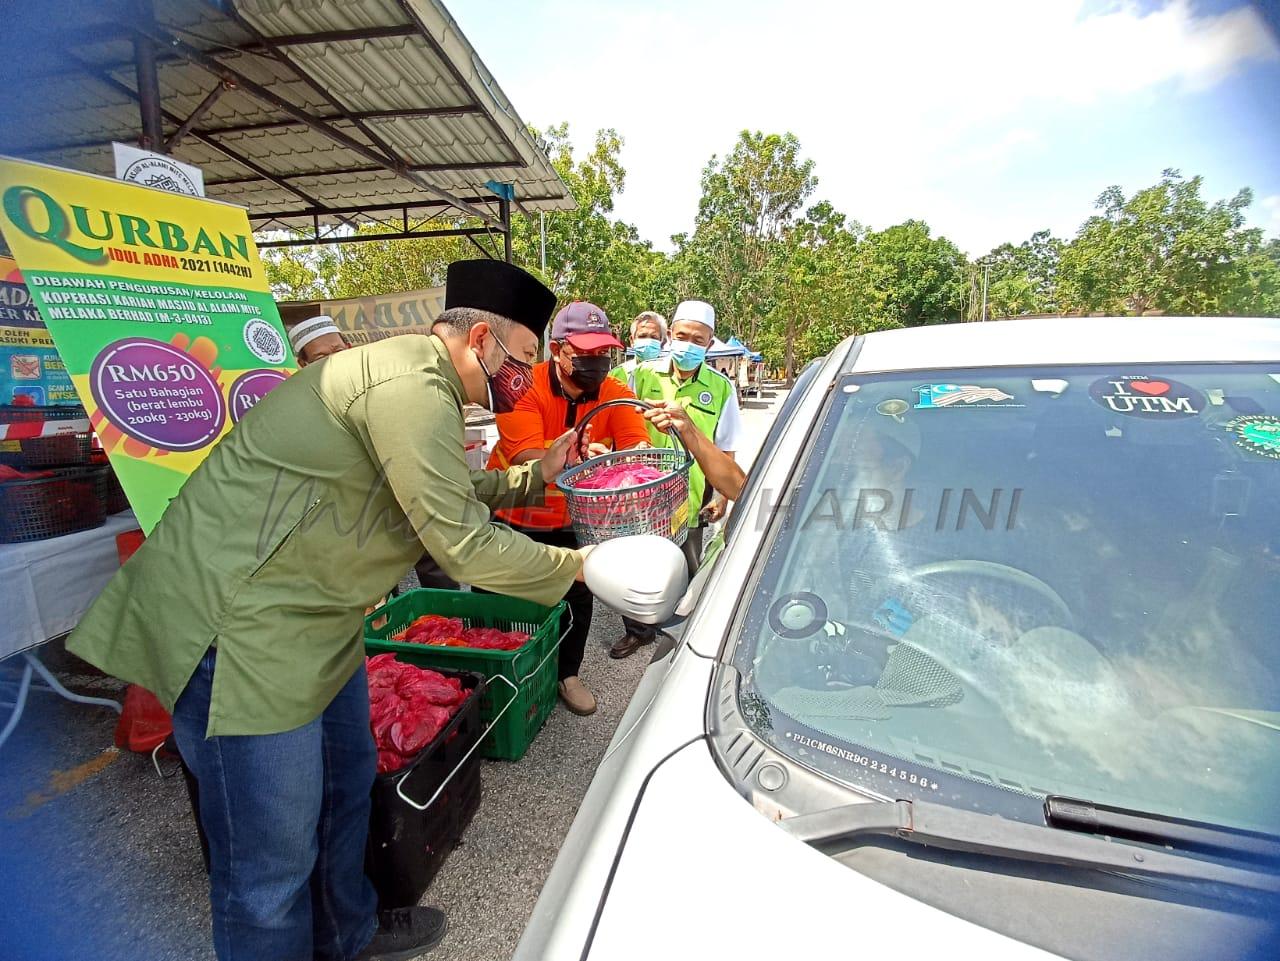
<point>158,394</point>
<point>249,389</point>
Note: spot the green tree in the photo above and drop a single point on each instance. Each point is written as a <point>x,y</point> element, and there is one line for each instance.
<point>1166,249</point>
<point>750,200</point>
<point>912,278</point>
<point>1020,279</point>
<point>301,273</point>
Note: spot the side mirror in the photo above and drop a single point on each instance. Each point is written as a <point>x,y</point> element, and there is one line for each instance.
<point>641,577</point>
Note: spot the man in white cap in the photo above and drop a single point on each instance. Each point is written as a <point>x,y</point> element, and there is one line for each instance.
<point>315,339</point>
<point>711,402</point>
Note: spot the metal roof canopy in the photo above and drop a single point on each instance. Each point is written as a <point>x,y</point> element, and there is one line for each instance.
<point>313,114</point>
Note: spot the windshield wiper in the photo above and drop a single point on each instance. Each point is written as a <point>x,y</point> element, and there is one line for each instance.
<point>935,825</point>
<point>1216,840</point>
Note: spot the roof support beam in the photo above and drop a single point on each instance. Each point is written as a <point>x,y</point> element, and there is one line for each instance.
<point>344,171</point>
<point>288,122</point>
<point>337,36</point>
<point>201,109</point>
<point>355,117</point>
<point>337,136</point>
<point>366,238</point>
<point>148,80</point>
<point>364,209</point>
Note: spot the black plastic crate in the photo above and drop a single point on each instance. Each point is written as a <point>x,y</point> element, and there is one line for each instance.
<point>407,847</point>
<point>62,503</point>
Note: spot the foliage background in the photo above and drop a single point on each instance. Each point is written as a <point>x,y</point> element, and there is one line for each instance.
<point>792,276</point>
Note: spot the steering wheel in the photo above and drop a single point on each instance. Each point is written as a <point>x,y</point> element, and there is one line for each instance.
<point>999,572</point>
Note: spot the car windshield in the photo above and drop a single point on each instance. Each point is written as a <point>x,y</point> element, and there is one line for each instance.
<point>989,586</point>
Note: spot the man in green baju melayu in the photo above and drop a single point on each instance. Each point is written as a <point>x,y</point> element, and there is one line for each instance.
<point>243,611</point>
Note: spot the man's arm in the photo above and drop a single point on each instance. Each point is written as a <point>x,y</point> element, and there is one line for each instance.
<point>428,474</point>
<point>719,467</point>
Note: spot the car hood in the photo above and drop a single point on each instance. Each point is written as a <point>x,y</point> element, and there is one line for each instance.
<point>703,874</point>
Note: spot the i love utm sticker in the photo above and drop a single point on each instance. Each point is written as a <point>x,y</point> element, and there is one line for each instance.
<point>1153,398</point>
<point>1257,433</point>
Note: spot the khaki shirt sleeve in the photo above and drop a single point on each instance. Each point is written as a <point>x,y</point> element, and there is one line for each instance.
<point>428,473</point>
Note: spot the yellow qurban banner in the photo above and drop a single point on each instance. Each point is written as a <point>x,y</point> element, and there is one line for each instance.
<point>160,309</point>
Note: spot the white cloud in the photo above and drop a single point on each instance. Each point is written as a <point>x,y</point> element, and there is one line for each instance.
<point>1271,214</point>
<point>888,98</point>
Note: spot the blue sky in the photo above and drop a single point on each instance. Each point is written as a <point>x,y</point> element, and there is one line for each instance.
<point>988,119</point>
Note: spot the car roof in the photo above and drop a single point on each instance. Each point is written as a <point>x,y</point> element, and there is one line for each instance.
<point>1070,340</point>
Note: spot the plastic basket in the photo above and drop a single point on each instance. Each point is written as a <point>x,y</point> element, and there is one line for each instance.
<point>28,413</point>
<point>63,503</point>
<point>37,453</point>
<point>522,683</point>
<point>419,813</point>
<point>109,491</point>
<point>659,507</point>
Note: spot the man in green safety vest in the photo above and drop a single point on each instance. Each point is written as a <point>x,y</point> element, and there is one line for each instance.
<point>711,402</point>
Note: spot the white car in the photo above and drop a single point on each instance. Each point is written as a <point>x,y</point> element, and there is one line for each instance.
<point>987,665</point>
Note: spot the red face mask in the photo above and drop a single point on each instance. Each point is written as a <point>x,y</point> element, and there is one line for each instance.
<point>508,383</point>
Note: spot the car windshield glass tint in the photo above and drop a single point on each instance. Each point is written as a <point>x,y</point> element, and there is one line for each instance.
<point>991,586</point>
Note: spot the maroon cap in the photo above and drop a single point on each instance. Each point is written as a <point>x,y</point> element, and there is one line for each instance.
<point>583,325</point>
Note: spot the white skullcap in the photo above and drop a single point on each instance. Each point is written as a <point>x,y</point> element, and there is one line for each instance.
<point>696,310</point>
<point>306,331</point>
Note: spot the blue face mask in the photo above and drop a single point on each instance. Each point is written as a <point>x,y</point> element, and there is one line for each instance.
<point>687,355</point>
<point>646,348</point>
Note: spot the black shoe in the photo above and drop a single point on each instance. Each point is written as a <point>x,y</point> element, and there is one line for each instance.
<point>628,645</point>
<point>405,933</point>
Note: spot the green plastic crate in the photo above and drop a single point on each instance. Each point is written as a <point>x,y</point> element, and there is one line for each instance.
<point>530,672</point>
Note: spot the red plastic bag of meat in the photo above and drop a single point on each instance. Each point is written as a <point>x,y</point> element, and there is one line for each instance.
<point>408,707</point>
<point>432,688</point>
<point>417,729</point>
<point>620,476</point>
<point>492,639</point>
<point>430,628</point>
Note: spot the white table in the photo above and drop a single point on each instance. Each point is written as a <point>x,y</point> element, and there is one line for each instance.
<point>45,588</point>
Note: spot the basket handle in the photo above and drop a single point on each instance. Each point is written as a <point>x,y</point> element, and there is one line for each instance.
<point>515,692</point>
<point>629,402</point>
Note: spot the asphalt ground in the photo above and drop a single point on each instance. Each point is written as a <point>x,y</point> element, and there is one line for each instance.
<point>99,855</point>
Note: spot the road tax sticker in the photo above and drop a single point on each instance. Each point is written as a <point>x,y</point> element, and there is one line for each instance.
<point>1257,433</point>
<point>934,396</point>
<point>1151,398</point>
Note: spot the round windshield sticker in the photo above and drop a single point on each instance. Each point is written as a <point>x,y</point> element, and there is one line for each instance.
<point>264,341</point>
<point>250,388</point>
<point>1258,433</point>
<point>1152,398</point>
<point>155,393</point>
<point>894,408</point>
<point>705,397</point>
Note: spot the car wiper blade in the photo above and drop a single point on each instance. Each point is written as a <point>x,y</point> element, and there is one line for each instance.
<point>935,825</point>
<point>1071,814</point>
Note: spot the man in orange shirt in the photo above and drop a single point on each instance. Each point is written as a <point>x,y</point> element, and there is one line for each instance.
<point>566,389</point>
